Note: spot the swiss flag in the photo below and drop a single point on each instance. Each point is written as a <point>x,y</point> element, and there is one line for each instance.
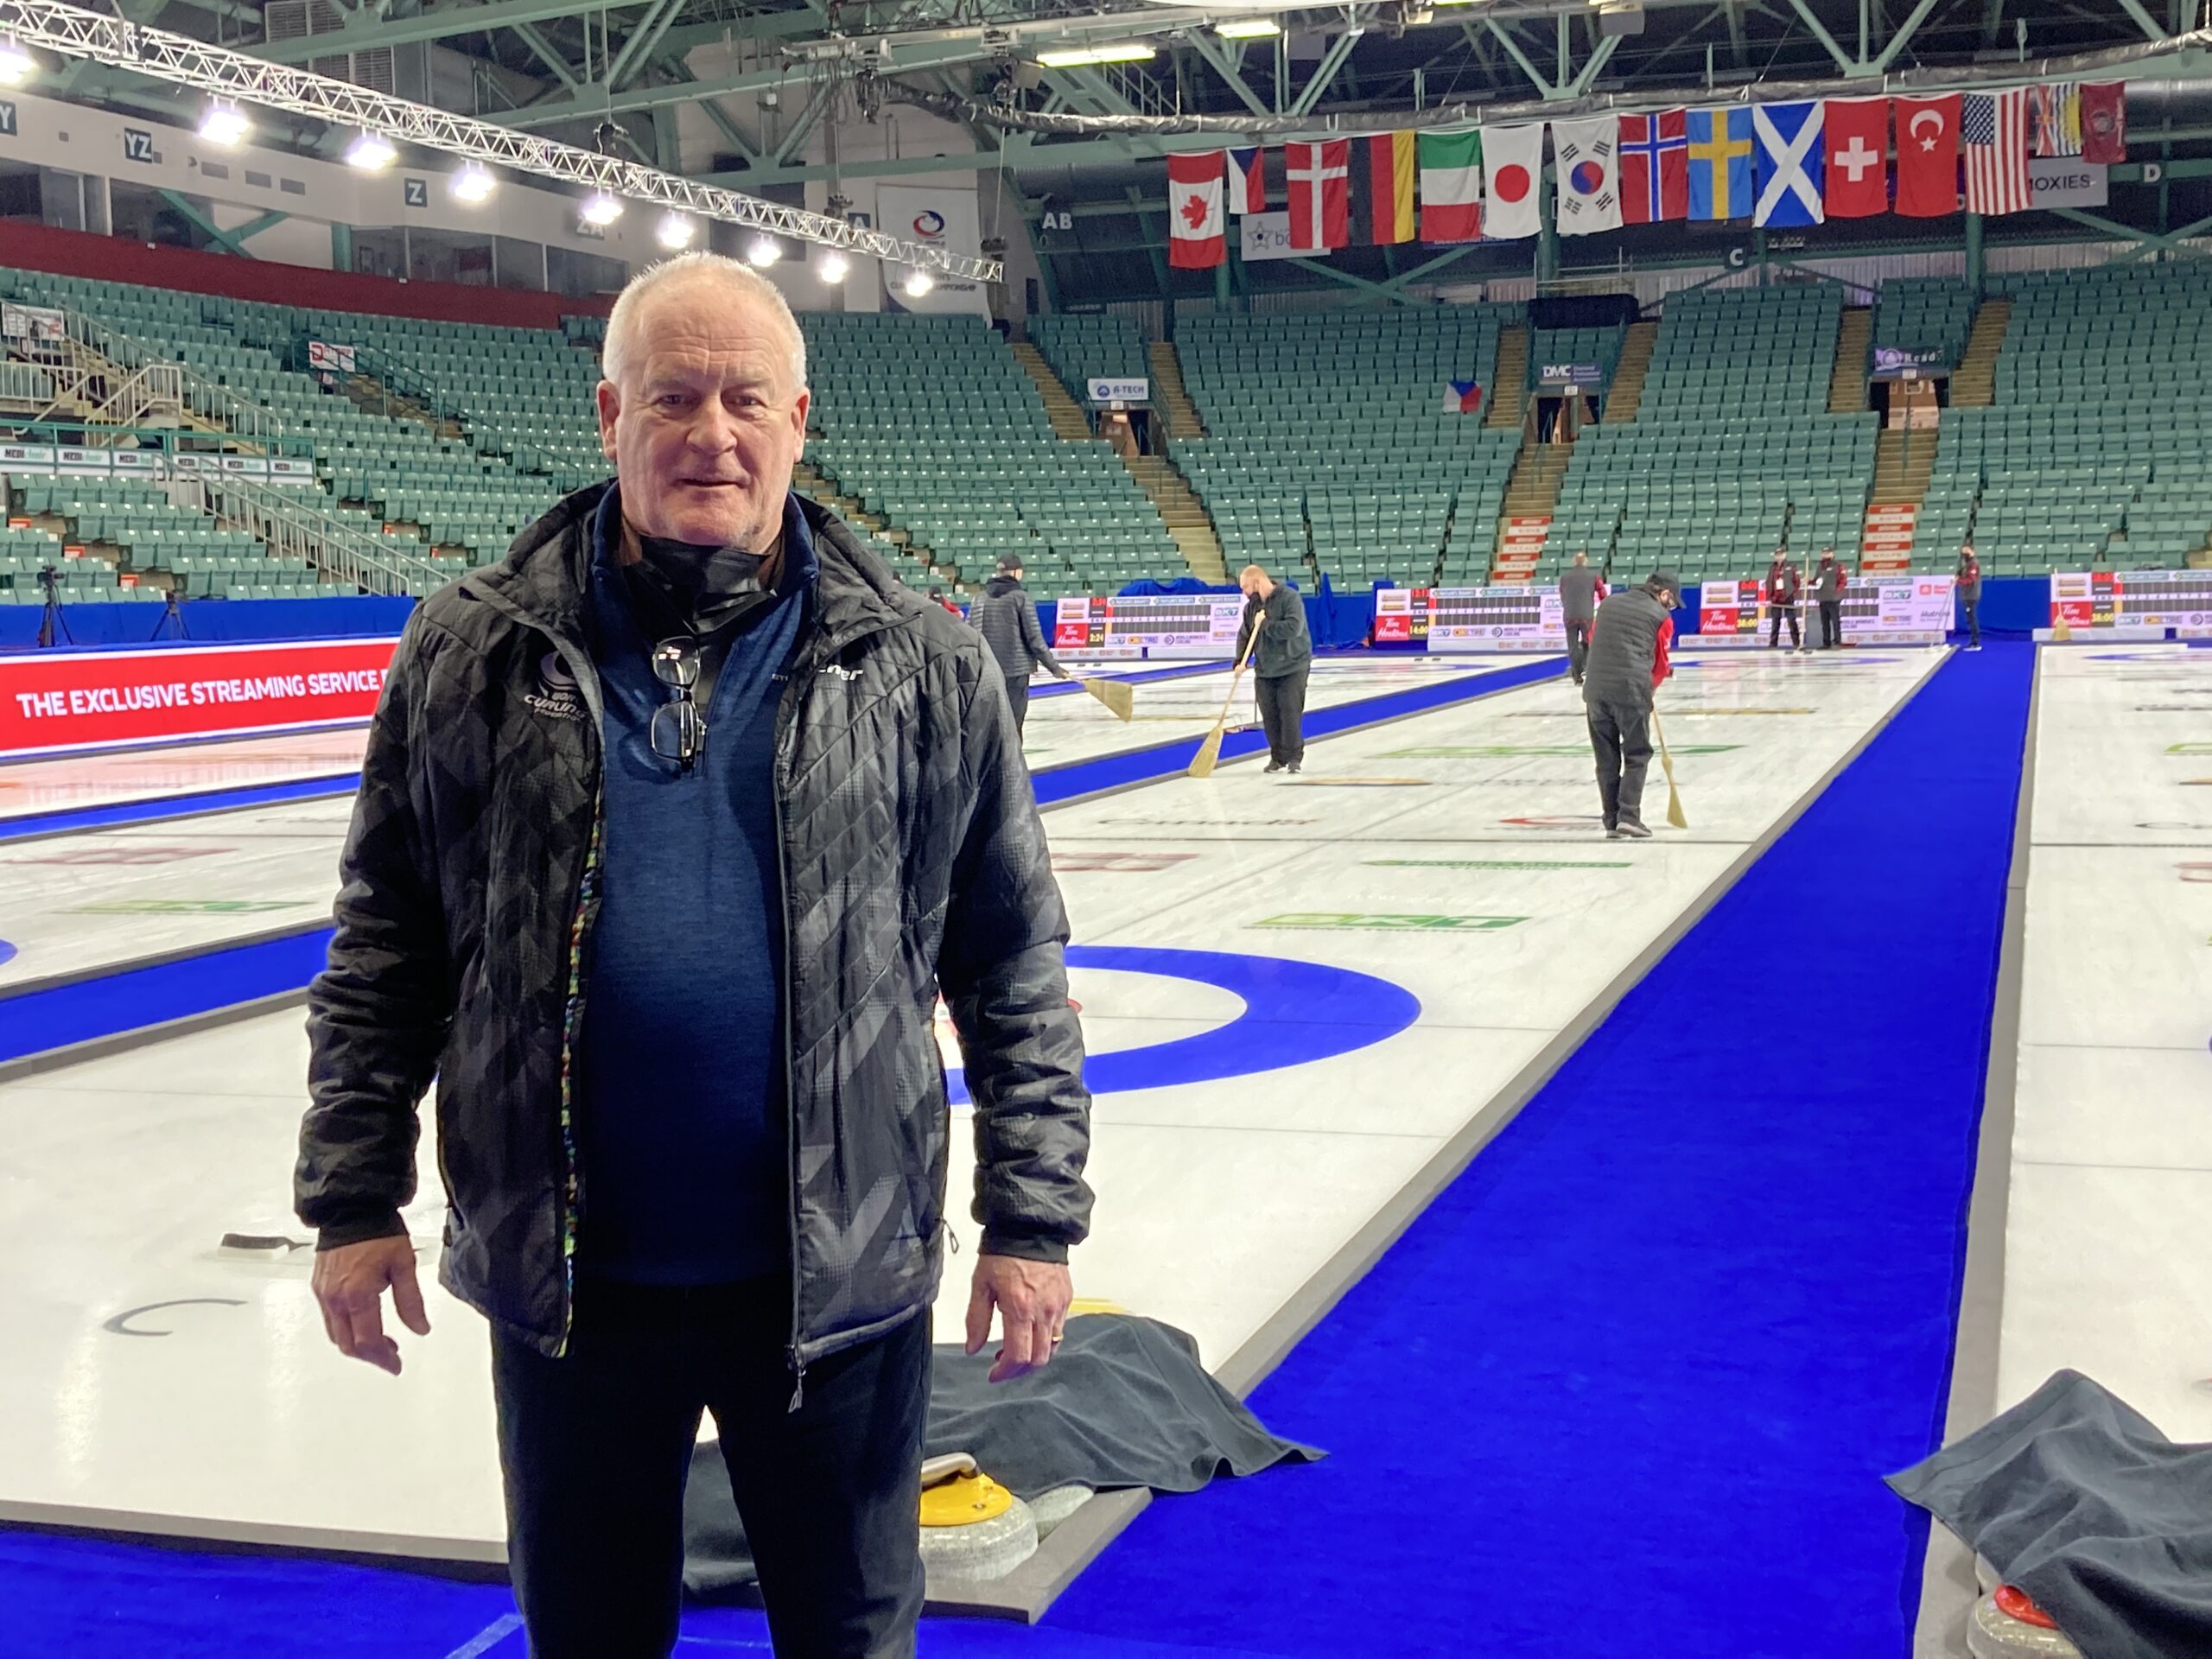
<point>1858,184</point>
<point>1320,193</point>
<point>1654,163</point>
<point>1928,157</point>
<point>1195,186</point>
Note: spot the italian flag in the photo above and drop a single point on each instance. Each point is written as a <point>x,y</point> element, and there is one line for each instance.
<point>1452,186</point>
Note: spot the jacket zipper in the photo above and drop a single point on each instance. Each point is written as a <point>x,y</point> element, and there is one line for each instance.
<point>786,723</point>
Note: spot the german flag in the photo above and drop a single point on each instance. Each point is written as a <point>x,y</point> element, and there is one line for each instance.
<point>1383,191</point>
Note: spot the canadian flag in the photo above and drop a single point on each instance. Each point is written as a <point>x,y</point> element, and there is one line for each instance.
<point>1195,186</point>
<point>1320,193</point>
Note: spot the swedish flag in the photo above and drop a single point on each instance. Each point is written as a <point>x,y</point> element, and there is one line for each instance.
<point>1720,163</point>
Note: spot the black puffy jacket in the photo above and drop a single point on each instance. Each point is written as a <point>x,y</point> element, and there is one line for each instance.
<point>912,859</point>
<point>1007,617</point>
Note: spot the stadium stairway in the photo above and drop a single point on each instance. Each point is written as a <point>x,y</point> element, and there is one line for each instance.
<point>1531,497</point>
<point>1169,394</point>
<point>1509,387</point>
<point>1070,424</point>
<point>1905,464</point>
<point>1183,513</point>
<point>1974,385</point>
<point>1625,396</point>
<point>1854,347</point>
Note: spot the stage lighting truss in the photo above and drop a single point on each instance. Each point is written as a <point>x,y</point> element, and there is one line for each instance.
<point>183,61</point>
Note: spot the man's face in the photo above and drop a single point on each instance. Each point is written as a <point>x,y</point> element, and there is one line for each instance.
<point>706,427</point>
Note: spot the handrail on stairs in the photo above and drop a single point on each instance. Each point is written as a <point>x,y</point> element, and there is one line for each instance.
<point>291,527</point>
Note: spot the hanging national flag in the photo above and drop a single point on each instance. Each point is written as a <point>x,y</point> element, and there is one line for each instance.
<point>2104,124</point>
<point>1720,163</point>
<point>1452,186</point>
<point>1320,193</point>
<point>2055,119</point>
<point>1993,137</point>
<point>1928,157</point>
<point>1858,139</point>
<point>1248,183</point>
<point>1196,240</point>
<point>1655,167</point>
<point>1790,163</point>
<point>1586,166</point>
<point>1462,397</point>
<point>1513,160</point>
<point>1383,191</point>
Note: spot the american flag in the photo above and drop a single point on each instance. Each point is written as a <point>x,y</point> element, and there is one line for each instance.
<point>1993,135</point>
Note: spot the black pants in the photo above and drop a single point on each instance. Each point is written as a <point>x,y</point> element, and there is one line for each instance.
<point>1578,645</point>
<point>1282,712</point>
<point>1017,693</point>
<point>1620,736</point>
<point>595,1447</point>
<point>1774,634</point>
<point>1831,624</point>
<point>1973,620</point>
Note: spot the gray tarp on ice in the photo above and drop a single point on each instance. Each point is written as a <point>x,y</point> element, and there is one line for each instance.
<point>1124,1403</point>
<point>2077,1499</point>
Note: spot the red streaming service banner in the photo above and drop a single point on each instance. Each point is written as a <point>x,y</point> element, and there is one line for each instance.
<point>57,701</point>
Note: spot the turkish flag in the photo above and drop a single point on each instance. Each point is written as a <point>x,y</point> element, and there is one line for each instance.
<point>1195,185</point>
<point>1858,183</point>
<point>1928,157</point>
<point>1320,193</point>
<point>2104,123</point>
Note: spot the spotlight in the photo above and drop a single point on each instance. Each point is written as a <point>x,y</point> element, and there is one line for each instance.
<point>601,209</point>
<point>762,251</point>
<point>676,231</point>
<point>919,282</point>
<point>371,153</point>
<point>832,267</point>
<point>1248,29</point>
<point>1080,57</point>
<point>17,66</point>
<point>224,124</point>
<point>473,185</point>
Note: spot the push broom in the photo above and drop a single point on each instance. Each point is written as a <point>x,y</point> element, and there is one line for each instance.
<point>1115,694</point>
<point>1208,754</point>
<point>1675,817</point>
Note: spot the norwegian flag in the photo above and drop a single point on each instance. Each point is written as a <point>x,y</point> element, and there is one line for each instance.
<point>1993,135</point>
<point>1655,167</point>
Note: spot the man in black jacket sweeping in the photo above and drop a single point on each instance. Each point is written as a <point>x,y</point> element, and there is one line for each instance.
<point>1628,663</point>
<point>1282,657</point>
<point>671,829</point>
<point>1007,617</point>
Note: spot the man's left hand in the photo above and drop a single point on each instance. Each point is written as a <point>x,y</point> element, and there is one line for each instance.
<point>1032,1299</point>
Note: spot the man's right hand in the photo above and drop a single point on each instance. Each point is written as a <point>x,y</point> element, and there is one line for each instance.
<point>349,1285</point>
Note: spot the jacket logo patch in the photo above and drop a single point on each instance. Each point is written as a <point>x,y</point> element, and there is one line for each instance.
<point>556,697</point>
<point>848,675</point>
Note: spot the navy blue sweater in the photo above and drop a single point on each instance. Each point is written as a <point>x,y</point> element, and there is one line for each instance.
<point>683,1112</point>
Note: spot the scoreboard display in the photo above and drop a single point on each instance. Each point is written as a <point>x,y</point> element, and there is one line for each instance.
<point>1885,610</point>
<point>1471,618</point>
<point>2180,600</point>
<point>1166,626</point>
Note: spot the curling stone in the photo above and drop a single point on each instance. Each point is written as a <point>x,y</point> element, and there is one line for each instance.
<point>1054,1507</point>
<point>2005,1624</point>
<point>973,1529</point>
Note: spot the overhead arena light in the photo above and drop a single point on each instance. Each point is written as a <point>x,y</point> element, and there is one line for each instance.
<point>473,185</point>
<point>919,282</point>
<point>17,66</point>
<point>676,231</point>
<point>1248,29</point>
<point>600,209</point>
<point>371,153</point>
<point>1082,57</point>
<point>832,267</point>
<point>763,251</point>
<point>224,125</point>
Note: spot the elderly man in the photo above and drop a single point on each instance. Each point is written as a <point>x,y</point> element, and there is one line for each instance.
<point>1628,662</point>
<point>1283,655</point>
<point>671,828</point>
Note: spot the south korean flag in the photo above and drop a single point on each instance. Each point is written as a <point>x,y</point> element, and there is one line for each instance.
<point>1589,175</point>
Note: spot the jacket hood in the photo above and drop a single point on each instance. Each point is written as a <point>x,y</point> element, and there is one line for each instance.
<point>999,587</point>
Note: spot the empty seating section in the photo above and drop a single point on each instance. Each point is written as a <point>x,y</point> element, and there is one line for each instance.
<point>27,550</point>
<point>2095,451</point>
<point>930,423</point>
<point>1924,314</point>
<point>1335,421</point>
<point>1731,447</point>
<point>131,525</point>
<point>1079,347</point>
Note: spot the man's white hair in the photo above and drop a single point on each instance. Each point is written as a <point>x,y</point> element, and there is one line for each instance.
<point>622,322</point>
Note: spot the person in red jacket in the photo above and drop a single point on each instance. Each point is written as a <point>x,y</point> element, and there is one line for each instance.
<point>1970,595</point>
<point>1783,589</point>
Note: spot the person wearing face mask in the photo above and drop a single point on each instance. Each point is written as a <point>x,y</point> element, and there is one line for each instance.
<point>671,829</point>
